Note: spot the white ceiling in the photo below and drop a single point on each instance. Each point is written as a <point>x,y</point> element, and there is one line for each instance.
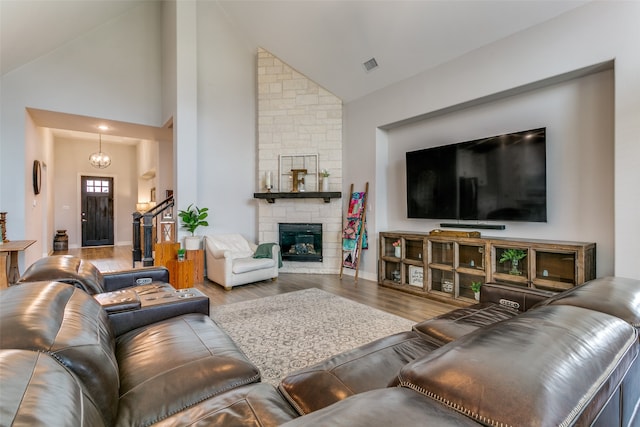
<point>326,40</point>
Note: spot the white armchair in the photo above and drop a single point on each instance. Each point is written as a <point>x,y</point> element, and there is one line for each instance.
<point>230,261</point>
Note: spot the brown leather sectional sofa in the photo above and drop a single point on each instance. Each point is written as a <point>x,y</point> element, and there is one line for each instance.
<point>518,357</point>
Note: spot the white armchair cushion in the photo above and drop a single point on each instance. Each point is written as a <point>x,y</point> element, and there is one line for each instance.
<point>242,265</point>
<point>238,245</point>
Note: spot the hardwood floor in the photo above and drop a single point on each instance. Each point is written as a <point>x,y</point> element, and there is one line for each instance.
<point>114,258</point>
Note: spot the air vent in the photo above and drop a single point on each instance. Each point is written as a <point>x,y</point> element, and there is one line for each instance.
<point>370,64</point>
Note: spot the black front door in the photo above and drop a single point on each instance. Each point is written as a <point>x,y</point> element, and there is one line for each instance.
<point>97,211</point>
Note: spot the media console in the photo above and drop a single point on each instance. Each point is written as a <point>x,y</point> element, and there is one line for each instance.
<point>443,266</point>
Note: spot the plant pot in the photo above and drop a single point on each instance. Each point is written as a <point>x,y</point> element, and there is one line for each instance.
<point>397,251</point>
<point>192,243</point>
<point>477,295</point>
<point>325,184</point>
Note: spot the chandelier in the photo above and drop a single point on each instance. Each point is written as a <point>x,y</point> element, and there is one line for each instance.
<point>100,160</point>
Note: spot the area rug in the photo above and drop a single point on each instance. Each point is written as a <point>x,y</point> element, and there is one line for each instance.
<point>287,332</point>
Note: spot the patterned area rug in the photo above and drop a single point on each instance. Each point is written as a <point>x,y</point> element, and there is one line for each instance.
<point>287,332</point>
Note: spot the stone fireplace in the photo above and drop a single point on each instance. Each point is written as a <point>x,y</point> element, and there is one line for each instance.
<point>300,242</point>
<point>298,117</point>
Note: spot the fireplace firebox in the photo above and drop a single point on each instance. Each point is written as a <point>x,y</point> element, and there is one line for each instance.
<point>301,242</point>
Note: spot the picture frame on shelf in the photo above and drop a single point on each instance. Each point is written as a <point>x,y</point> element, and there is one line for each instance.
<point>416,276</point>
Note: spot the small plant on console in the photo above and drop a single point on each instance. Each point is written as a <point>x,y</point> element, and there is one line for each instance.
<point>475,286</point>
<point>513,255</point>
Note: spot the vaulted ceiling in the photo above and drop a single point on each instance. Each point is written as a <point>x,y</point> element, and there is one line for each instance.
<point>326,40</point>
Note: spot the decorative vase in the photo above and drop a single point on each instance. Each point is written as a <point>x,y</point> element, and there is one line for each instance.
<point>61,241</point>
<point>192,243</point>
<point>397,251</point>
<point>477,295</point>
<point>325,184</point>
<point>514,268</point>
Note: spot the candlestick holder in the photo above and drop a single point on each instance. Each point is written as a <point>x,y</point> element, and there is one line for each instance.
<point>268,182</point>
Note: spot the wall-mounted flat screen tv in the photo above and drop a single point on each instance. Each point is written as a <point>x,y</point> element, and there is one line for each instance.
<point>501,178</point>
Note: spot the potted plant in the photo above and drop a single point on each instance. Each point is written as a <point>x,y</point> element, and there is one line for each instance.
<point>475,287</point>
<point>181,254</point>
<point>192,218</point>
<point>325,180</point>
<point>513,255</point>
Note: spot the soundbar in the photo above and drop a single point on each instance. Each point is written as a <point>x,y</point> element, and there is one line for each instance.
<point>480,226</point>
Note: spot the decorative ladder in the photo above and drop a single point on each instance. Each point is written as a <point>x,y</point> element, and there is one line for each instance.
<point>354,233</point>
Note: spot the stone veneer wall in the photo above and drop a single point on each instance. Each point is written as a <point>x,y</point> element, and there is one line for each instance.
<point>297,117</point>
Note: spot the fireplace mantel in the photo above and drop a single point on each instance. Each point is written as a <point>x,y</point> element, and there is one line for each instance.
<point>325,195</point>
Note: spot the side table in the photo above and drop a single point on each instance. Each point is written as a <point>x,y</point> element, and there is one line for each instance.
<point>180,273</point>
<point>198,264</point>
<point>164,252</point>
<point>10,262</point>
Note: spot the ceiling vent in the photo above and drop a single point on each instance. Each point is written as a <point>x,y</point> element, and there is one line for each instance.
<point>370,64</point>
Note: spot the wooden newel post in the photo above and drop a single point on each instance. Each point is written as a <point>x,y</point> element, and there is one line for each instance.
<point>147,226</point>
<point>136,251</point>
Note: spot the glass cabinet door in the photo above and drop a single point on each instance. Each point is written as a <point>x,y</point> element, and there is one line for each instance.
<point>441,253</point>
<point>471,256</point>
<point>442,281</point>
<point>414,249</point>
<point>392,247</point>
<point>513,262</point>
<point>555,271</point>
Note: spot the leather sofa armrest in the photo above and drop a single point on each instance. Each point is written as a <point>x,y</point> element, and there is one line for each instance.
<point>521,299</point>
<point>128,278</point>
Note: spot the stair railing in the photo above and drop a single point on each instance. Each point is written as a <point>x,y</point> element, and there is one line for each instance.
<point>146,218</point>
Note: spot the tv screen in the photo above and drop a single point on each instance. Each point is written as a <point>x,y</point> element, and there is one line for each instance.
<point>500,178</point>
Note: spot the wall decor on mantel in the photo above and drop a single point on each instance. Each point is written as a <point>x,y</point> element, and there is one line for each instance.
<point>291,163</point>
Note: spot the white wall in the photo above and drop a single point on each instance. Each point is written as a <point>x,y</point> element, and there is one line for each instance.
<point>578,115</point>
<point>226,119</point>
<point>592,34</point>
<point>112,72</point>
<point>71,160</point>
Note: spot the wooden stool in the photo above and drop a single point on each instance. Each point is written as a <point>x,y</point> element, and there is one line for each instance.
<point>164,252</point>
<point>197,256</point>
<point>180,273</point>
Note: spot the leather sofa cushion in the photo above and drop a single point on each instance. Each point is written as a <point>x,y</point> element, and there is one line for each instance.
<point>365,368</point>
<point>617,296</point>
<point>257,405</point>
<point>244,265</point>
<point>38,391</point>
<point>462,321</point>
<point>69,324</point>
<point>174,364</point>
<point>384,407</point>
<point>66,269</point>
<point>560,368</point>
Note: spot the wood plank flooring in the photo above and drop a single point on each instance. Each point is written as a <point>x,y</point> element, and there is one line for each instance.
<point>115,258</point>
